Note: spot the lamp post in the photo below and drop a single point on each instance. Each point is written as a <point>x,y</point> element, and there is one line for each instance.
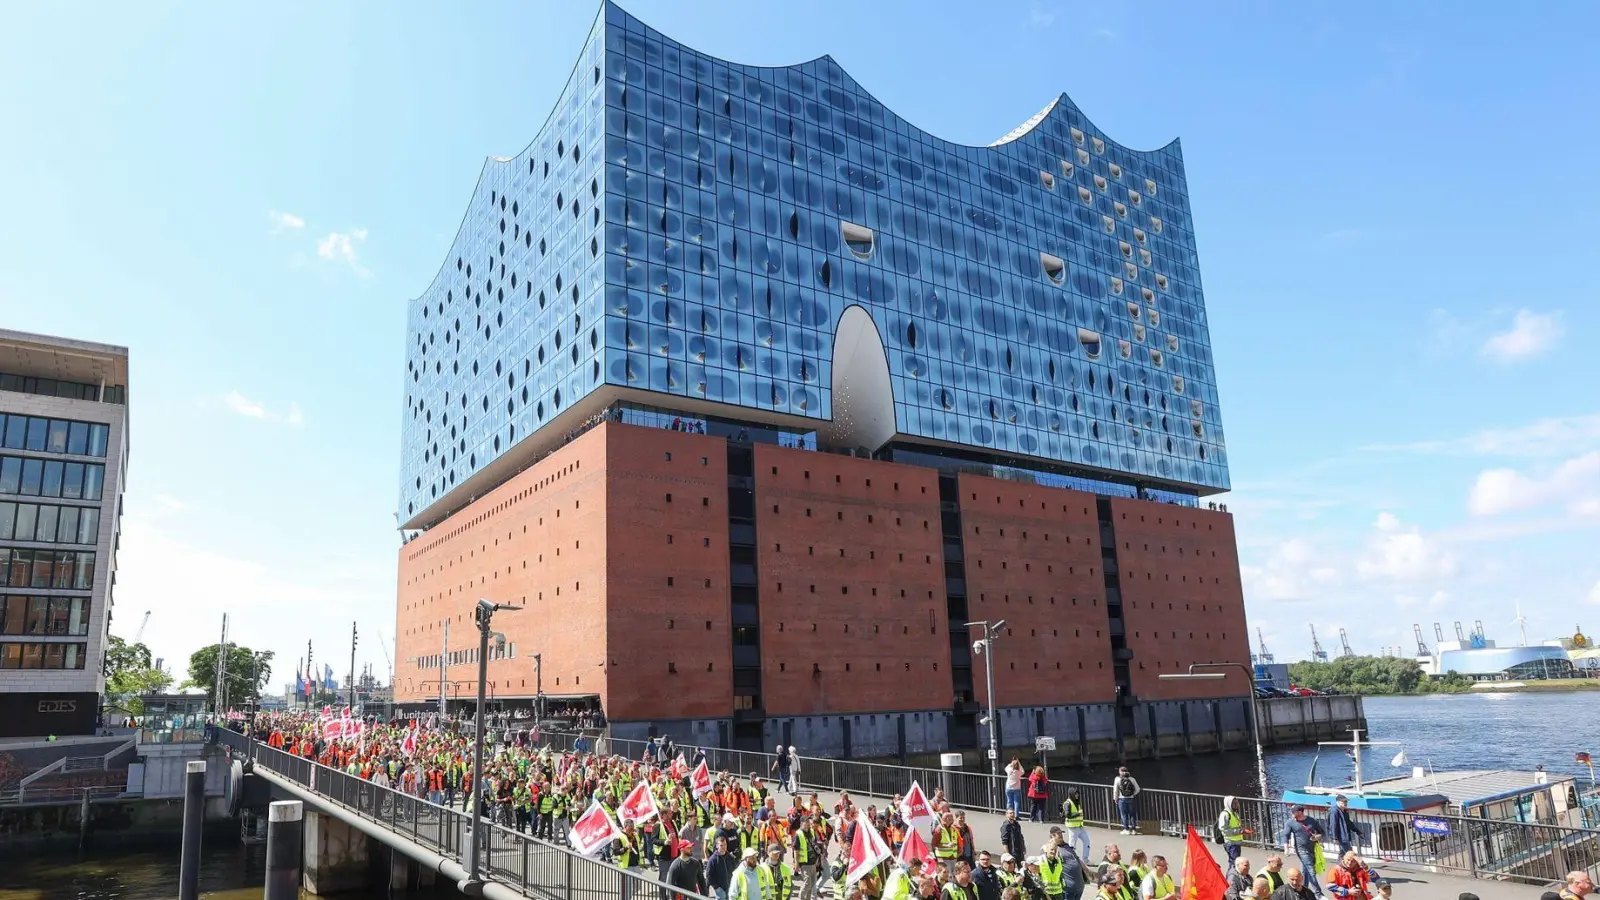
<point>538,689</point>
<point>1255,717</point>
<point>481,614</point>
<point>985,646</point>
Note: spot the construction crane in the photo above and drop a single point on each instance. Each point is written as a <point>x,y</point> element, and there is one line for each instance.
<point>1438,633</point>
<point>139,635</point>
<point>383,644</point>
<point>1345,640</point>
<point>1422,648</point>
<point>1264,656</point>
<point>1317,653</point>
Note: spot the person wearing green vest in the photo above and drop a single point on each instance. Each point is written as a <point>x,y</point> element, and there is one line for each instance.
<point>1157,884</point>
<point>750,881</point>
<point>808,856</point>
<point>1010,875</point>
<point>1138,867</point>
<point>1112,860</point>
<point>946,840</point>
<point>625,850</point>
<point>1273,871</point>
<point>1050,874</point>
<point>902,882</point>
<point>960,886</point>
<point>1072,814</point>
<point>779,873</point>
<point>547,812</point>
<point>1231,827</point>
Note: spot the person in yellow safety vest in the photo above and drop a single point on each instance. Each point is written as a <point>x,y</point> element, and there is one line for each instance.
<point>807,857</point>
<point>1273,871</point>
<point>1050,873</point>
<point>750,881</point>
<point>1138,867</point>
<point>1111,887</point>
<point>547,811</point>
<point>1158,885</point>
<point>781,875</point>
<point>902,881</point>
<point>1232,829</point>
<point>946,839</point>
<point>960,886</point>
<point>1010,875</point>
<point>625,852</point>
<point>1072,813</point>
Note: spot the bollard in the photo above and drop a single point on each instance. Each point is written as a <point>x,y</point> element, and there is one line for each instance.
<point>285,839</point>
<point>194,818</point>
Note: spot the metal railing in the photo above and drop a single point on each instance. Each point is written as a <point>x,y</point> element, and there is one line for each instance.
<point>55,796</point>
<point>534,867</point>
<point>1473,847</point>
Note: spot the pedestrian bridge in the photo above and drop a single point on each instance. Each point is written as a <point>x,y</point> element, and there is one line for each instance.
<point>354,827</point>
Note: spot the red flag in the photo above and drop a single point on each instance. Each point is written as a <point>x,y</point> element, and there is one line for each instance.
<point>700,780</point>
<point>409,745</point>
<point>916,810</point>
<point>639,805</point>
<point>680,767</point>
<point>593,831</point>
<point>1202,877</point>
<point>332,729</point>
<point>915,847</point>
<point>866,850</point>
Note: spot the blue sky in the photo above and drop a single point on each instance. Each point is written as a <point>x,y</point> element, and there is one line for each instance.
<point>1394,207</point>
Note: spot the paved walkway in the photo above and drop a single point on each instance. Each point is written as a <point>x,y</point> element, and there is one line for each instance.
<point>1409,883</point>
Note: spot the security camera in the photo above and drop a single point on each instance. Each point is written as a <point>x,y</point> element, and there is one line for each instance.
<point>977,647</point>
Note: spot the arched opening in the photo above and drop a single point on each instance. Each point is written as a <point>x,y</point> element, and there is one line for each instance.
<point>863,397</point>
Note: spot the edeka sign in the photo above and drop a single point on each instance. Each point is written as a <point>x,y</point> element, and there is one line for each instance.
<point>41,715</point>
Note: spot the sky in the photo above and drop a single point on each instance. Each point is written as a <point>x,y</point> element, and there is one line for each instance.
<point>1393,206</point>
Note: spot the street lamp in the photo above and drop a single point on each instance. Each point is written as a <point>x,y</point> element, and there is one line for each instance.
<point>985,647</point>
<point>1255,716</point>
<point>481,614</point>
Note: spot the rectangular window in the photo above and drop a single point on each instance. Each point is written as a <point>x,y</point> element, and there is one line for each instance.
<point>8,521</point>
<point>54,655</point>
<point>75,656</point>
<point>27,519</point>
<point>77,617</point>
<point>60,612</point>
<point>89,526</point>
<point>32,656</point>
<point>38,613</point>
<point>10,475</point>
<point>14,614</point>
<point>98,437</point>
<point>38,434</point>
<point>63,568</point>
<point>32,476</point>
<point>78,439</point>
<point>21,563</point>
<point>49,517</point>
<point>71,481</point>
<point>10,656</point>
<point>67,526</point>
<point>16,432</point>
<point>56,441</point>
<point>39,568</point>
<point>52,478</point>
<point>93,476</point>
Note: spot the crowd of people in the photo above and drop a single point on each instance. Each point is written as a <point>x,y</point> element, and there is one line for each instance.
<point>736,840</point>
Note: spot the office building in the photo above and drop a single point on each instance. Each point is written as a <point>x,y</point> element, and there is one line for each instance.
<point>754,395</point>
<point>63,454</point>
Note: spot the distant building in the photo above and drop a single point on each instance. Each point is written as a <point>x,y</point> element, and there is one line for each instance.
<point>63,452</point>
<point>1480,660</point>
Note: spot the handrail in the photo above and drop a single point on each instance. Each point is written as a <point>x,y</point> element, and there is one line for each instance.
<point>522,862</point>
<point>1480,848</point>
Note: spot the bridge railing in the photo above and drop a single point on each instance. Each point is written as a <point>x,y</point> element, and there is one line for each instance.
<point>533,867</point>
<point>1462,845</point>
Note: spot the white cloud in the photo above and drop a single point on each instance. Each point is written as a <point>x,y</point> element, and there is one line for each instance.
<point>1293,570</point>
<point>1546,437</point>
<point>1574,483</point>
<point>239,404</point>
<point>1039,17</point>
<point>283,220</point>
<point>340,246</point>
<point>1531,335</point>
<point>244,406</point>
<point>1403,553</point>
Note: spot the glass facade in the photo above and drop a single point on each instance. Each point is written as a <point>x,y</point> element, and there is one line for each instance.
<point>688,232</point>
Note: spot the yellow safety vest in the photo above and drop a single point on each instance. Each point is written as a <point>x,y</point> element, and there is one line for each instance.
<point>802,848</point>
<point>737,890</point>
<point>1051,876</point>
<point>1163,885</point>
<point>949,843</point>
<point>783,878</point>
<point>1233,832</point>
<point>1074,815</point>
<point>899,887</point>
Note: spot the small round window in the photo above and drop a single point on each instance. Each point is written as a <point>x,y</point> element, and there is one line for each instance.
<point>858,239</point>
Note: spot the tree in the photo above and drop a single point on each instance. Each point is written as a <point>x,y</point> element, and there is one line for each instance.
<point>1359,675</point>
<point>130,674</point>
<point>246,673</point>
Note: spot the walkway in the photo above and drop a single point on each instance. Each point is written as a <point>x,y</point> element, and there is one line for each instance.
<point>1409,884</point>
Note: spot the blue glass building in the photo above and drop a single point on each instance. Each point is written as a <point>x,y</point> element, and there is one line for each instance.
<point>775,247</point>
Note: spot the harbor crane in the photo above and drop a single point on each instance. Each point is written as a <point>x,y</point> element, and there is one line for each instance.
<point>1438,633</point>
<point>1459,635</point>
<point>1345,640</point>
<point>383,644</point>
<point>1422,648</point>
<point>144,623</point>
<point>1264,656</point>
<point>1477,629</point>
<point>1317,653</point>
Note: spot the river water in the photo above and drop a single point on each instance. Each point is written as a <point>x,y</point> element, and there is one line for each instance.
<point>1458,731</point>
<point>1449,731</point>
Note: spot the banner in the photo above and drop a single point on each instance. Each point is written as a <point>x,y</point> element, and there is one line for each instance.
<point>332,729</point>
<point>867,850</point>
<point>917,811</point>
<point>409,745</point>
<point>700,780</point>
<point>639,805</point>
<point>915,847</point>
<point>593,831</point>
<point>1202,878</point>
